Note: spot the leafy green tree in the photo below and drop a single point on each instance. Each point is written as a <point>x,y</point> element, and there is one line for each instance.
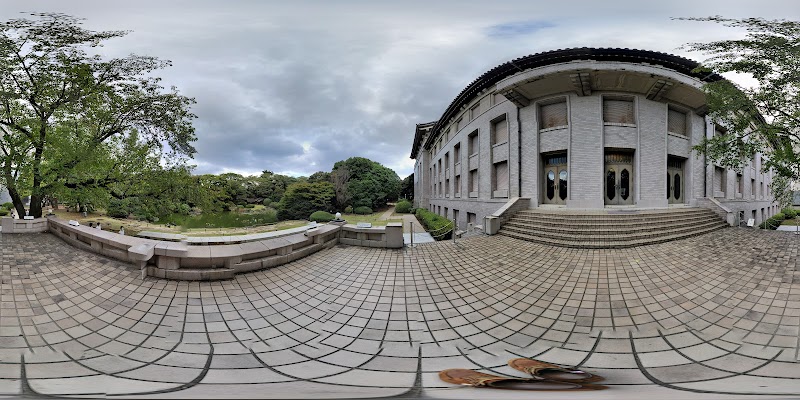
<point>320,176</point>
<point>762,118</point>
<point>302,199</point>
<point>407,188</point>
<point>362,182</point>
<point>47,80</point>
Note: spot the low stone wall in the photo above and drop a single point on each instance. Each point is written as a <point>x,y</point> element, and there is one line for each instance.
<point>723,212</point>
<point>11,225</point>
<point>390,236</point>
<point>501,216</point>
<point>181,261</point>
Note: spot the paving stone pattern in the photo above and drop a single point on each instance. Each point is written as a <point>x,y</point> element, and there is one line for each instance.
<point>705,317</point>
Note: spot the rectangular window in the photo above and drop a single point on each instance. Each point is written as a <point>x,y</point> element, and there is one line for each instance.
<point>719,177</point>
<point>473,183</point>
<point>457,189</point>
<point>553,115</point>
<point>447,187</point>
<point>473,143</point>
<point>475,110</point>
<point>676,122</point>
<point>455,217</point>
<point>500,179</point>
<point>459,125</point>
<point>500,131</point>
<point>618,111</point>
<point>753,188</point>
<point>739,184</point>
<point>498,98</point>
<point>447,160</point>
<point>762,190</point>
<point>445,212</point>
<point>471,218</point>
<point>457,153</point>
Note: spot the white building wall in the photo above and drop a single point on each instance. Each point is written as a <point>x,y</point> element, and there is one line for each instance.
<point>585,139</point>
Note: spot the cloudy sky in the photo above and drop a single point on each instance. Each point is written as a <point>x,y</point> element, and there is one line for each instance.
<point>294,86</point>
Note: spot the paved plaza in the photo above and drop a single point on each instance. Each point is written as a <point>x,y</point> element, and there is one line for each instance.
<point>713,316</point>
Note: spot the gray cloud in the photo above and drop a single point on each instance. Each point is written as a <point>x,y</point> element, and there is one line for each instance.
<point>295,86</point>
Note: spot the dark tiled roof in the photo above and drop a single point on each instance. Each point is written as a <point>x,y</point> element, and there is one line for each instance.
<point>502,71</point>
<point>418,137</point>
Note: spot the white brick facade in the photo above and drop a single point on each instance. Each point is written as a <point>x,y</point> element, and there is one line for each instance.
<point>584,83</point>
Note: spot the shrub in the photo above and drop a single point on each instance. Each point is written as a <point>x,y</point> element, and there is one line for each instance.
<point>770,223</point>
<point>301,199</point>
<point>3,212</point>
<point>789,213</point>
<point>431,221</point>
<point>778,217</point>
<point>249,206</point>
<point>118,209</point>
<point>362,210</point>
<point>403,207</point>
<point>8,205</point>
<point>321,216</point>
<point>348,210</point>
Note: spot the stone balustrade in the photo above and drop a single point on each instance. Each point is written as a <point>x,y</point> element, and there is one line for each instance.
<point>11,225</point>
<point>195,261</point>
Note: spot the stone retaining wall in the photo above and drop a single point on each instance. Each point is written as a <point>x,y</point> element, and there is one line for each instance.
<point>179,260</point>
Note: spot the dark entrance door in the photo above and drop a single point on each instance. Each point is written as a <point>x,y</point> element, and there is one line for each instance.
<point>618,177</point>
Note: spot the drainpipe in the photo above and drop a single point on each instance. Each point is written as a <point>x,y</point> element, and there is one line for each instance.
<point>519,154</point>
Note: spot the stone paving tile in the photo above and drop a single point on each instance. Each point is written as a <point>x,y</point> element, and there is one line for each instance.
<point>714,315</point>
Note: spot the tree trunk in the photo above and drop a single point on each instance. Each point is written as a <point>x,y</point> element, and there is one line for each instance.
<point>36,194</point>
<point>11,186</point>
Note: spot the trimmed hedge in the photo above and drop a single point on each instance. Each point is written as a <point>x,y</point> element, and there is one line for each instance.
<point>3,212</point>
<point>771,223</point>
<point>321,216</point>
<point>8,205</point>
<point>348,210</point>
<point>363,210</point>
<point>789,213</point>
<point>432,221</point>
<point>403,207</point>
<point>779,217</point>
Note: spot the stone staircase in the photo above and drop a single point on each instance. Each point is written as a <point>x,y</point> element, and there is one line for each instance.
<point>615,228</point>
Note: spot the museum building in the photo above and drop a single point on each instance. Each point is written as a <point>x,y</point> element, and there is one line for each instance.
<point>582,128</point>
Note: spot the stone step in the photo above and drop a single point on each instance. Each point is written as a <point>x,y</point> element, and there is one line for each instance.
<point>613,236</point>
<point>610,228</point>
<point>612,218</point>
<point>192,274</point>
<point>598,244</point>
<point>605,226</point>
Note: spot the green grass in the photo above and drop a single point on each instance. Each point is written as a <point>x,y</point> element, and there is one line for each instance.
<point>373,218</point>
<point>791,222</point>
<point>229,220</point>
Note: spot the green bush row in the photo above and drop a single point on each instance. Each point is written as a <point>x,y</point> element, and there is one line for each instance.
<point>321,216</point>
<point>403,207</point>
<point>431,221</point>
<point>789,213</point>
<point>8,205</point>
<point>362,210</point>
<point>3,212</point>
